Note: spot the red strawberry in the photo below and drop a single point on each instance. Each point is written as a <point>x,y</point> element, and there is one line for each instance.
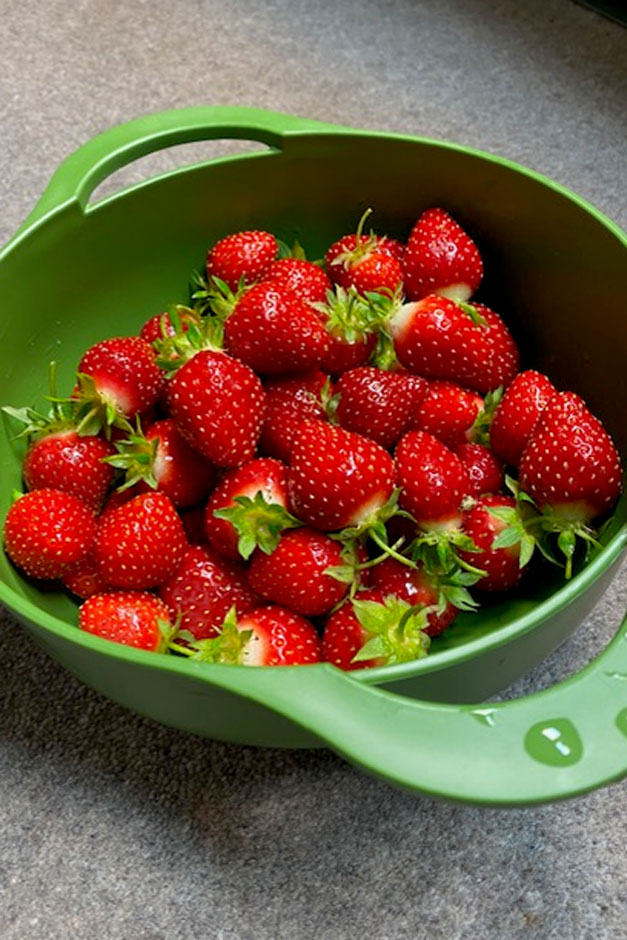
<point>242,256</point>
<point>218,405</point>
<point>337,478</point>
<point>376,272</point>
<point>303,278</point>
<point>448,412</point>
<point>373,629</point>
<point>433,480</point>
<point>419,586</point>
<point>202,590</point>
<point>485,471</point>
<point>378,404</point>
<point>129,617</point>
<point>289,402</point>
<point>248,508</point>
<point>194,524</point>
<point>84,579</point>
<point>47,531</point>
<point>369,263</point>
<point>117,377</point>
<point>62,460</point>
<point>441,258</point>
<point>495,526</point>
<point>139,544</point>
<point>161,459</point>
<point>518,413</point>
<point>294,574</point>
<point>464,343</point>
<point>264,636</point>
<point>570,465</point>
<point>273,331</point>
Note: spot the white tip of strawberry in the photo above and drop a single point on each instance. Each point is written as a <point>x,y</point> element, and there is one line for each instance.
<point>460,293</point>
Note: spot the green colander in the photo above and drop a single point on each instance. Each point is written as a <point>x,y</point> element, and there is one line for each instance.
<point>556,268</point>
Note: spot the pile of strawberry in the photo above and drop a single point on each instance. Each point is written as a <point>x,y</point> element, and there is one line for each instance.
<point>313,461</point>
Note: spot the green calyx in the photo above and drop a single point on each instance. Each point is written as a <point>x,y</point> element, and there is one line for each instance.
<point>348,315</point>
<point>570,535</point>
<point>525,526</point>
<point>363,246</point>
<point>374,526</point>
<point>228,646</point>
<point>471,311</point>
<point>258,523</point>
<point>168,631</point>
<point>480,430</point>
<point>396,630</point>
<point>93,411</point>
<point>136,456</point>
<point>438,550</point>
<point>295,251</point>
<point>60,417</point>
<point>174,351</point>
<point>213,296</point>
<point>539,529</point>
<point>328,401</point>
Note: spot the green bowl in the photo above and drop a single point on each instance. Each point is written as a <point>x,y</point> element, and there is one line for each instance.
<point>556,268</point>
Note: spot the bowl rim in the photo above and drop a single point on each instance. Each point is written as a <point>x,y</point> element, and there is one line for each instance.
<point>565,595</point>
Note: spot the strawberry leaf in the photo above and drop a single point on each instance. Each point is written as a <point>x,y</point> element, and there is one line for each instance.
<point>473,313</point>
<point>480,430</point>
<point>396,628</point>
<point>258,523</point>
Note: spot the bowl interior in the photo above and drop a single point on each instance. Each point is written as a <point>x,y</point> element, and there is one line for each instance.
<point>554,269</point>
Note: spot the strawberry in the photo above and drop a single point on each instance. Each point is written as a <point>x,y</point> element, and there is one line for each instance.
<point>203,588</point>
<point>273,331</point>
<point>518,413</point>
<point>571,470</point>
<point>218,405</point>
<point>364,262</point>
<point>263,636</point>
<point>133,618</point>
<point>486,473</point>
<point>448,412</point>
<point>433,480</point>
<point>242,256</point>
<point>194,524</point>
<point>47,531</point>
<point>117,379</point>
<point>351,323</point>
<point>295,574</point>
<point>84,578</point>
<point>248,508</point>
<point>290,400</point>
<point>378,404</point>
<point>303,278</point>
<point>464,343</point>
<point>139,544</point>
<point>64,461</point>
<point>337,478</point>
<point>161,459</point>
<point>440,258</point>
<point>445,595</point>
<point>373,629</point>
<point>57,457</point>
<point>494,524</point>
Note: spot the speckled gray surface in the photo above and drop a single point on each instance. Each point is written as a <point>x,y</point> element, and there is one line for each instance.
<point>112,827</point>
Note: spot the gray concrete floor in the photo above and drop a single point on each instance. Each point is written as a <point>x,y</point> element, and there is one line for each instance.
<point>113,827</point>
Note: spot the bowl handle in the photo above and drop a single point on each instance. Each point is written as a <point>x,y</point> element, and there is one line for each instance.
<point>83,170</point>
<point>553,744</point>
